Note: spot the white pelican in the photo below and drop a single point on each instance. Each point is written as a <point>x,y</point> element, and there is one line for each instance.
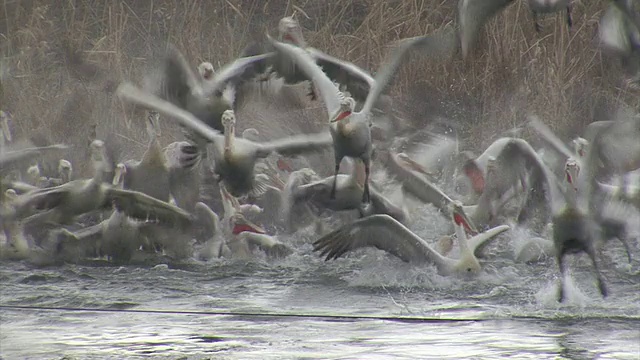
<point>349,190</point>
<point>63,203</point>
<point>619,33</point>
<point>351,130</point>
<point>385,233</point>
<point>576,227</point>
<point>205,100</point>
<point>235,158</point>
<point>183,161</point>
<point>473,14</point>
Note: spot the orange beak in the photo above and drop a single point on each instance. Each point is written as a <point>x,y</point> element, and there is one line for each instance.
<point>341,116</point>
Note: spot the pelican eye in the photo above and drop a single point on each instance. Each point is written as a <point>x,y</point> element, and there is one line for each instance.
<point>468,269</point>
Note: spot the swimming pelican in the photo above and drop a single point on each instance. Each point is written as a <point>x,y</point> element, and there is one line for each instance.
<point>385,233</point>
<point>63,203</point>
<point>473,14</point>
<point>235,158</point>
<point>350,130</point>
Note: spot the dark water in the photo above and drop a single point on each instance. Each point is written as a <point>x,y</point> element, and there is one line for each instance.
<point>508,310</point>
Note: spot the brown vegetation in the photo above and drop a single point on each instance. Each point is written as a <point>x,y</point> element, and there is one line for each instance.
<point>560,76</point>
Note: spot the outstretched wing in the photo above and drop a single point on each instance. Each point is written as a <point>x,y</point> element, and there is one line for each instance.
<point>133,94</point>
<point>382,232</point>
<point>357,81</point>
<point>442,43</point>
<point>142,207</point>
<point>472,15</point>
<point>294,145</point>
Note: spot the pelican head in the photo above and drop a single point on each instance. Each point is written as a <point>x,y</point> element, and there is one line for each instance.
<point>33,172</point>
<point>239,224</point>
<point>120,172</point>
<point>64,170</point>
<point>580,146</point>
<point>153,124</point>
<point>228,120</point>
<point>460,218</point>
<point>571,172</point>
<point>205,69</point>
<point>347,104</point>
<point>4,126</point>
<point>98,153</point>
<point>290,31</point>
<point>10,194</point>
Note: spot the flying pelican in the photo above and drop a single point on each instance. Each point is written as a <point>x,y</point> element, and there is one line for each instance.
<point>235,158</point>
<point>575,225</point>
<point>385,233</point>
<point>183,161</point>
<point>473,14</point>
<point>350,130</point>
<point>205,100</point>
<point>619,32</point>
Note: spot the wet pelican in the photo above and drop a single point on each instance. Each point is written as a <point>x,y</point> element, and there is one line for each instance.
<point>385,233</point>
<point>473,14</point>
<point>61,204</point>
<point>349,190</point>
<point>351,130</point>
<point>575,228</point>
<point>235,158</point>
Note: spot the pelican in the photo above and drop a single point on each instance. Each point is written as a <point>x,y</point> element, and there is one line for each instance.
<point>385,233</point>
<point>63,203</point>
<point>235,158</point>
<point>150,174</point>
<point>22,151</point>
<point>350,130</point>
<point>209,233</point>
<point>619,33</point>
<point>348,195</point>
<point>575,225</point>
<point>183,162</point>
<point>16,245</point>
<point>204,100</point>
<point>473,14</point>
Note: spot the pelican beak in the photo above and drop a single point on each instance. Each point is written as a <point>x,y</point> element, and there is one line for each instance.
<point>118,175</point>
<point>341,115</point>
<point>242,225</point>
<point>208,73</point>
<point>284,165</point>
<point>461,218</point>
<point>5,126</point>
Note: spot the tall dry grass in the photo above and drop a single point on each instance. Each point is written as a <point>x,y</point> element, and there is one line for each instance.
<point>557,74</point>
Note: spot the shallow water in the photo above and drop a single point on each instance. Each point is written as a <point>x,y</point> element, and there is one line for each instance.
<point>508,310</point>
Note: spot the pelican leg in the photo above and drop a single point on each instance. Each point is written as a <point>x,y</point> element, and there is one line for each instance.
<point>332,196</point>
<point>366,197</point>
<point>601,284</point>
<point>562,267</point>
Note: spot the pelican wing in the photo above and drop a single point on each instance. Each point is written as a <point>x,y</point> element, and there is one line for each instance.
<point>384,233</point>
<point>142,207</point>
<point>477,242</point>
<point>472,15</point>
<point>19,186</point>
<point>439,44</point>
<point>421,188</point>
<point>328,91</point>
<point>178,78</point>
<point>357,81</point>
<point>23,151</point>
<point>44,199</point>
<point>294,145</point>
<point>89,233</point>
<point>208,220</point>
<point>235,72</point>
<point>133,94</point>
<point>550,137</point>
